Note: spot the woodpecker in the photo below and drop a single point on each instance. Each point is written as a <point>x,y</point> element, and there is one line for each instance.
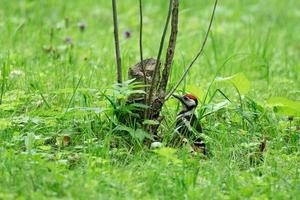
<point>187,122</point>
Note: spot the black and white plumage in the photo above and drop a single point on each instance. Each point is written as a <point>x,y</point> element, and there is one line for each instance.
<point>187,122</point>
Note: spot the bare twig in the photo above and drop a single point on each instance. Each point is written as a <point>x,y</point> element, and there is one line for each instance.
<point>197,55</point>
<point>141,43</point>
<point>156,105</point>
<point>170,50</point>
<point>156,70</point>
<point>141,51</point>
<point>117,43</point>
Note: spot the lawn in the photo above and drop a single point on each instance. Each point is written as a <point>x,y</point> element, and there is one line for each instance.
<point>58,131</point>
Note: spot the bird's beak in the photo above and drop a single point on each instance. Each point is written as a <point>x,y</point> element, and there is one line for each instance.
<point>178,97</point>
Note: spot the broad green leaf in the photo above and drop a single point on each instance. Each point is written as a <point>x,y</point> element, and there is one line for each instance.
<point>284,106</point>
<point>239,80</point>
<point>217,106</point>
<point>140,135</point>
<point>137,134</point>
<point>213,108</point>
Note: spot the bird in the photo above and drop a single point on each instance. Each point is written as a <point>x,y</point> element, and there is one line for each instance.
<point>187,123</point>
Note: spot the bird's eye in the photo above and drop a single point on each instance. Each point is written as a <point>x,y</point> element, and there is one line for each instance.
<point>185,98</point>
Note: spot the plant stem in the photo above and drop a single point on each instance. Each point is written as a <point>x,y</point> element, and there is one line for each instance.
<point>156,70</point>
<point>117,43</point>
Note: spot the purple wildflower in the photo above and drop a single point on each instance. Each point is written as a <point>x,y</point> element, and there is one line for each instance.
<point>68,40</point>
<point>82,26</point>
<point>127,34</point>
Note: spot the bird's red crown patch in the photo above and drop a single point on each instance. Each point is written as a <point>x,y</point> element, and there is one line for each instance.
<point>190,96</point>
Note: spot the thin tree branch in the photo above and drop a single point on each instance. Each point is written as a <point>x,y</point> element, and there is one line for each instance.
<point>117,43</point>
<point>141,52</point>
<point>161,90</point>
<point>156,70</point>
<point>170,50</point>
<point>141,42</point>
<point>197,55</point>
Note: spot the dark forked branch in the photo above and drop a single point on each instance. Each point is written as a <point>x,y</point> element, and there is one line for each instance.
<point>157,66</point>
<point>160,91</point>
<point>197,55</point>
<point>117,43</point>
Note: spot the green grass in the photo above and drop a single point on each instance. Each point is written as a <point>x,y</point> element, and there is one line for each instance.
<point>50,89</point>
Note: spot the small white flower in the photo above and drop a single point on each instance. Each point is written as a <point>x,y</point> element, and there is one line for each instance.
<point>155,145</point>
<point>16,73</point>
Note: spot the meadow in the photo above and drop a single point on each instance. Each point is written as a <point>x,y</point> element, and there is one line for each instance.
<point>57,124</point>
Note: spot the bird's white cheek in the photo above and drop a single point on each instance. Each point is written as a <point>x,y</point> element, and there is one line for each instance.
<point>190,103</point>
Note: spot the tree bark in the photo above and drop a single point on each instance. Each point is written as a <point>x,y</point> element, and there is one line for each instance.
<point>158,100</point>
